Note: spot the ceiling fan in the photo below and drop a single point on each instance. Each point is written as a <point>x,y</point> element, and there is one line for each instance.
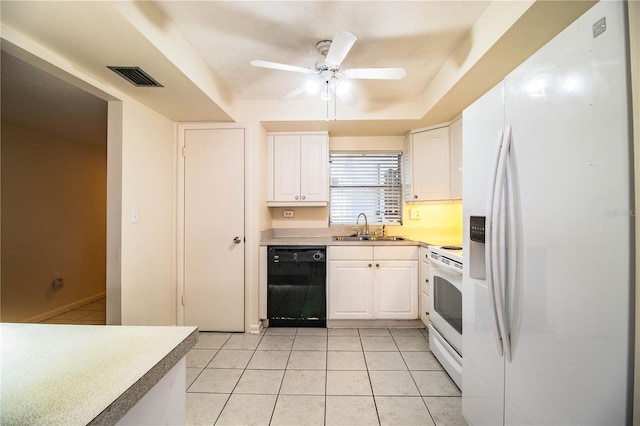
<point>329,80</point>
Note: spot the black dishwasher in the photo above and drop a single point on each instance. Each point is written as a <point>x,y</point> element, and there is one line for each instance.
<point>296,286</point>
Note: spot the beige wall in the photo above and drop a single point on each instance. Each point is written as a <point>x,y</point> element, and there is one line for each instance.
<point>53,221</point>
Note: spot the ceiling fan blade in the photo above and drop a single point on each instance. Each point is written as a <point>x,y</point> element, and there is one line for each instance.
<point>341,44</point>
<point>376,73</point>
<point>281,67</point>
<point>292,94</point>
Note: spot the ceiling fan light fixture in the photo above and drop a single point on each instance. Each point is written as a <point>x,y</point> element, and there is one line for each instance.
<point>327,92</point>
<point>343,88</point>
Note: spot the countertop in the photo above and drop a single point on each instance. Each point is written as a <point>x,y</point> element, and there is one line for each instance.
<point>328,241</point>
<point>81,374</point>
<point>324,237</point>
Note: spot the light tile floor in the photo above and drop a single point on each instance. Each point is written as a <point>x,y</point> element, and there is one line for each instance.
<point>94,313</point>
<point>313,376</point>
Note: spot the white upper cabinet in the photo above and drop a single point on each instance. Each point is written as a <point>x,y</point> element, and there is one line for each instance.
<point>427,165</point>
<point>298,172</point>
<point>455,133</point>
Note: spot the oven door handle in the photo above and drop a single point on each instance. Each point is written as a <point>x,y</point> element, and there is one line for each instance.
<point>438,264</point>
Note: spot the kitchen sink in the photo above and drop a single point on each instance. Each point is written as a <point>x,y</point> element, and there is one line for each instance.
<point>366,238</point>
<point>387,238</point>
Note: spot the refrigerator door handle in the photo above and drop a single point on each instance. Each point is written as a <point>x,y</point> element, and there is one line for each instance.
<point>496,259</point>
<point>512,254</point>
<point>489,252</point>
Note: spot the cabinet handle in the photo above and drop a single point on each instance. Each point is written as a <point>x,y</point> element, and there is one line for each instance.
<point>377,265</point>
<point>297,197</point>
<point>303,197</point>
<point>369,265</point>
<point>426,281</point>
<point>415,196</point>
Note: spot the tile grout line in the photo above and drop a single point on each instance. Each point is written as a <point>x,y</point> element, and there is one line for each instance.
<point>414,380</point>
<point>234,386</point>
<point>283,375</point>
<point>373,396</point>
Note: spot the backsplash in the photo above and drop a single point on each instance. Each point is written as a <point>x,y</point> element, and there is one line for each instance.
<point>437,224</point>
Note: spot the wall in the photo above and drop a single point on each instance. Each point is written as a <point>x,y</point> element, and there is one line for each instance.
<point>141,174</point>
<point>148,268</point>
<point>53,221</point>
<point>257,219</point>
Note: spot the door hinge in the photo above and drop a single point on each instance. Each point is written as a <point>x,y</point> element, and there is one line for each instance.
<point>184,151</point>
<point>182,299</point>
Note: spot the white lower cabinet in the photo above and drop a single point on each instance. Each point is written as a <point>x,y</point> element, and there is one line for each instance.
<point>373,282</point>
<point>395,289</point>
<point>350,289</point>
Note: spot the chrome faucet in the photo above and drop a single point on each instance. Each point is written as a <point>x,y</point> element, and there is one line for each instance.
<point>366,223</point>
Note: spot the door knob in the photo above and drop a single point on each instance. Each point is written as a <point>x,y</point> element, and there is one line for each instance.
<point>237,240</point>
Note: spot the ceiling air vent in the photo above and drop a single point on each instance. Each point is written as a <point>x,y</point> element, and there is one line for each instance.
<point>136,76</point>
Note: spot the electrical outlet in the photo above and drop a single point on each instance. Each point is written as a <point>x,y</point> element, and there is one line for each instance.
<point>58,282</point>
<point>415,213</point>
<point>287,213</point>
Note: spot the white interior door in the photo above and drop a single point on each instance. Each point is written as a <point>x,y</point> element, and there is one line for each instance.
<point>213,218</point>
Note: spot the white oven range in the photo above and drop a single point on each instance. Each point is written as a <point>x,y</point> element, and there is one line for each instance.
<point>445,310</point>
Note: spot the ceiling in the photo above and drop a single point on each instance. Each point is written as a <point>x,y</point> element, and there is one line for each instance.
<point>416,35</point>
<point>200,52</point>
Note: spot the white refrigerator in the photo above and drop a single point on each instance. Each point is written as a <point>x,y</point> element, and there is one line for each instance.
<point>548,235</point>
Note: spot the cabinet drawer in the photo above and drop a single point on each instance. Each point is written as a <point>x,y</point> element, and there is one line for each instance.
<point>396,253</point>
<point>359,252</point>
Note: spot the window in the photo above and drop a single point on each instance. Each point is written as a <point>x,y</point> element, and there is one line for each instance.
<point>366,183</point>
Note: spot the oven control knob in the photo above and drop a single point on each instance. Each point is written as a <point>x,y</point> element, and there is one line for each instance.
<point>317,256</point>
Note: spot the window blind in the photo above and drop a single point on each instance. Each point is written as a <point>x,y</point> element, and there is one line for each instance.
<point>366,183</point>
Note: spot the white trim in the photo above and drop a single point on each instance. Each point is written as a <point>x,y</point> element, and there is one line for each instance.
<point>424,129</point>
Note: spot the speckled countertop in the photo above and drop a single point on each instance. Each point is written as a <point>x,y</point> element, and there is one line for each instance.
<point>81,374</point>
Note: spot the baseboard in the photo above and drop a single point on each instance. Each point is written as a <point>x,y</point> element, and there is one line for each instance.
<point>66,308</point>
<point>382,323</point>
<point>255,328</point>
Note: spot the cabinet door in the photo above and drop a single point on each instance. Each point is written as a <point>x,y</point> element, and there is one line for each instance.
<point>350,290</point>
<point>286,168</point>
<point>314,163</point>
<point>456,158</point>
<point>396,290</point>
<point>430,165</point>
